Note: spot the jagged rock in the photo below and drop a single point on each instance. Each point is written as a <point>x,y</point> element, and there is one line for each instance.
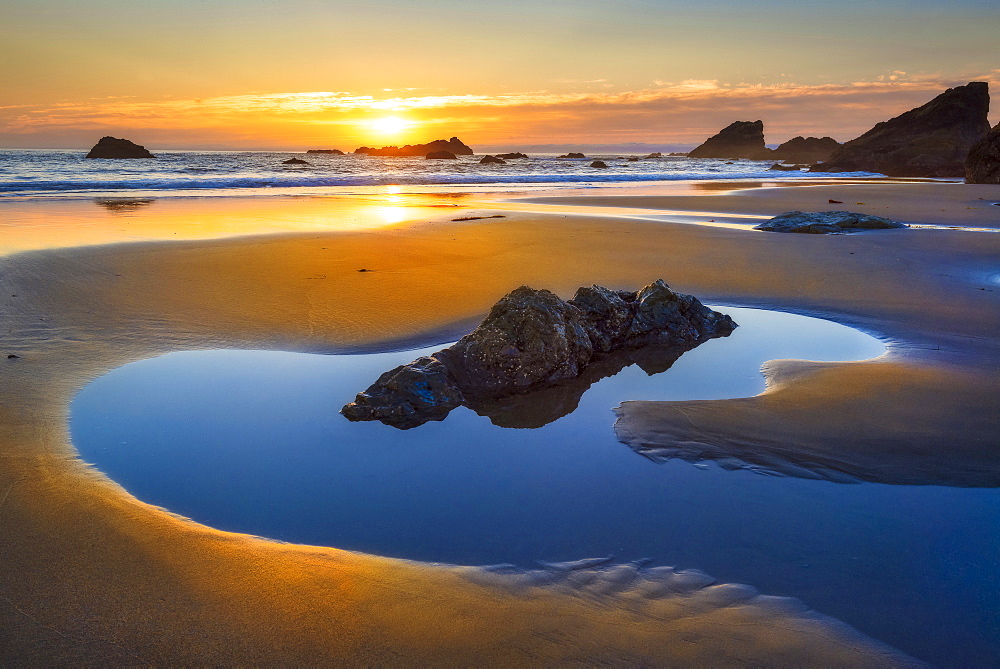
<point>441,155</point>
<point>112,147</point>
<point>453,145</point>
<point>532,341</point>
<point>825,222</point>
<point>982,166</point>
<point>657,154</point>
<point>932,140</point>
<point>408,396</point>
<point>295,161</point>
<point>492,160</point>
<point>599,164</point>
<point>742,139</point>
<point>511,156</point>
<point>804,150</point>
<point>335,152</point>
<point>573,155</point>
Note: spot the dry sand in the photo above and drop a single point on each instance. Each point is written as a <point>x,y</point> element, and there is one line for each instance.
<point>89,574</point>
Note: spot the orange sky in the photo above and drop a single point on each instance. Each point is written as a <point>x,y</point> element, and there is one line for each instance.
<point>309,73</point>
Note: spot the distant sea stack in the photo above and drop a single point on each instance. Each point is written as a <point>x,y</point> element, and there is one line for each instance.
<point>112,147</point>
<point>332,152</point>
<point>453,145</point>
<point>804,150</point>
<point>982,166</point>
<point>742,139</point>
<point>932,140</point>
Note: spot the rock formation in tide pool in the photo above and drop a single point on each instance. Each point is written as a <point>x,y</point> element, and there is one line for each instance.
<point>932,140</point>
<point>982,166</point>
<point>532,341</point>
<point>741,139</point>
<point>453,145</point>
<point>825,222</point>
<point>112,147</point>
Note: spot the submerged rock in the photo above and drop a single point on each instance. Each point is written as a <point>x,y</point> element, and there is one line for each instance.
<point>982,166</point>
<point>532,341</point>
<point>741,139</point>
<point>932,140</point>
<point>825,222</point>
<point>112,147</point>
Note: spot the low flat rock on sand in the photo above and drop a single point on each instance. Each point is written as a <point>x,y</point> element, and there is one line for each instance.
<point>826,222</point>
<point>532,339</point>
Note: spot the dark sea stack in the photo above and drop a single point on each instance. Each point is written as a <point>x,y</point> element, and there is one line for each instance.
<point>742,139</point>
<point>453,145</point>
<point>332,152</point>
<point>533,341</point>
<point>492,160</point>
<point>112,147</point>
<point>805,150</point>
<point>982,165</point>
<point>295,161</point>
<point>600,164</point>
<point>932,140</point>
<point>441,155</point>
<point>826,222</point>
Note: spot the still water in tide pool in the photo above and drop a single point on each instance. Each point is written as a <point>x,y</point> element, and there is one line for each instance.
<point>252,441</point>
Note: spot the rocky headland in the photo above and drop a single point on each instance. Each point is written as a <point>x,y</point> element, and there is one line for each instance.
<point>932,140</point>
<point>112,147</point>
<point>453,145</point>
<point>982,165</point>
<point>533,340</point>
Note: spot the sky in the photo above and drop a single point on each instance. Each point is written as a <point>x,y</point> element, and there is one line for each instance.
<point>297,74</point>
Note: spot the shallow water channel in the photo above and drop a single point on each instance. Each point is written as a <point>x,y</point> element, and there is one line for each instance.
<point>252,441</point>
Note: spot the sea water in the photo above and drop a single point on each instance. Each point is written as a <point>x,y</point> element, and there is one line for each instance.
<point>252,441</point>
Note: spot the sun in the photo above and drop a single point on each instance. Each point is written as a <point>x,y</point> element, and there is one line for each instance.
<point>390,125</point>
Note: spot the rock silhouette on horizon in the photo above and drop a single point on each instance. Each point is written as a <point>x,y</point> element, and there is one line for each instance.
<point>453,145</point>
<point>932,140</point>
<point>740,139</point>
<point>492,160</point>
<point>808,150</point>
<point>332,152</point>
<point>112,147</point>
<point>533,341</point>
<point>982,165</point>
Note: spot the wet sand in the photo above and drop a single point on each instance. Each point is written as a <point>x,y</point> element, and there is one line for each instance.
<point>89,574</point>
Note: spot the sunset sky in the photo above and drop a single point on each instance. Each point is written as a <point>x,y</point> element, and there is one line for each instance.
<point>295,74</point>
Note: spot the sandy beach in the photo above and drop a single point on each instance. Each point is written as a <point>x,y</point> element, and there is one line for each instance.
<point>92,575</point>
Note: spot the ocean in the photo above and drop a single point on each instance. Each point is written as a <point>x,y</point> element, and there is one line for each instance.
<point>35,172</point>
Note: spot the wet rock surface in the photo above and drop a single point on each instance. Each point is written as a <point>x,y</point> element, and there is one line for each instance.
<point>932,140</point>
<point>532,341</point>
<point>112,147</point>
<point>741,139</point>
<point>982,166</point>
<point>826,222</point>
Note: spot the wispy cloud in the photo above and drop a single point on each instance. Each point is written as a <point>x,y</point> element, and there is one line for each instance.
<point>681,111</point>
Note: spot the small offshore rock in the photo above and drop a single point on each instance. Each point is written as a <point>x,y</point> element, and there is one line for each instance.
<point>599,164</point>
<point>511,156</point>
<point>826,222</point>
<point>492,160</point>
<point>295,161</point>
<point>441,155</point>
<point>573,155</point>
<point>112,147</point>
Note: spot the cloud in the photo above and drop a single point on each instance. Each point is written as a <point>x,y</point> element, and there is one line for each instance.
<point>682,111</point>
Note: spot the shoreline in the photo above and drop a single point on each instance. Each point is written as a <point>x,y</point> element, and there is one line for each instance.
<point>85,559</point>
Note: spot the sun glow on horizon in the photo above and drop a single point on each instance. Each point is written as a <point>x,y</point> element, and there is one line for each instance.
<point>390,125</point>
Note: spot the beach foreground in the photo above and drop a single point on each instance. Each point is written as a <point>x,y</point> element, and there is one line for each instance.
<point>92,575</point>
